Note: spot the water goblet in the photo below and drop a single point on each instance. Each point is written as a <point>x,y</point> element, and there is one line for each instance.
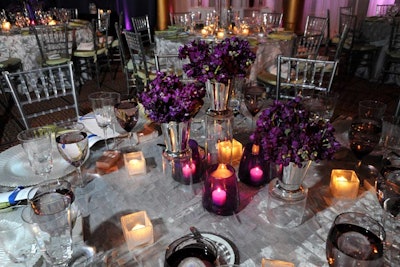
<point>51,214</point>
<point>37,145</point>
<point>72,144</point>
<point>254,99</point>
<point>321,105</point>
<point>17,241</point>
<point>127,114</point>
<point>365,134</point>
<point>103,109</point>
<point>355,239</point>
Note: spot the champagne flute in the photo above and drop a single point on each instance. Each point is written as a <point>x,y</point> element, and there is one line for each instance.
<point>72,143</point>
<point>365,133</point>
<point>103,109</point>
<point>127,114</point>
<point>254,99</point>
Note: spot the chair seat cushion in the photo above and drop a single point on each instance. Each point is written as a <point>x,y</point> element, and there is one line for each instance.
<point>90,53</point>
<point>57,61</point>
<point>11,63</point>
<point>266,77</point>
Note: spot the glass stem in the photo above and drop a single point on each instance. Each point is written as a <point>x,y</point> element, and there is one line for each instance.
<point>105,137</point>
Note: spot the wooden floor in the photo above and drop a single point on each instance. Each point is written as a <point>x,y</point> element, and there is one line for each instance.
<point>351,90</point>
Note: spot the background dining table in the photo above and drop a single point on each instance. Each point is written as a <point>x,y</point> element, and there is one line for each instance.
<point>267,49</point>
<point>22,44</point>
<point>173,208</point>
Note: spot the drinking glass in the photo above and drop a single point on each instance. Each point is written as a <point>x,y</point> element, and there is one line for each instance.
<point>103,109</point>
<point>37,145</point>
<point>127,114</point>
<point>391,223</point>
<point>51,217</point>
<point>365,133</point>
<point>254,99</point>
<point>17,241</point>
<point>72,143</point>
<point>116,98</point>
<point>355,239</point>
<point>322,105</point>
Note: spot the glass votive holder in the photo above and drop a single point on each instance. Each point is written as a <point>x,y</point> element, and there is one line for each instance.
<point>253,169</point>
<point>220,190</point>
<point>134,161</point>
<point>344,184</point>
<point>230,152</point>
<point>137,229</point>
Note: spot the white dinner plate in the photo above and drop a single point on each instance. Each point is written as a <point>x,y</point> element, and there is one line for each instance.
<point>16,171</point>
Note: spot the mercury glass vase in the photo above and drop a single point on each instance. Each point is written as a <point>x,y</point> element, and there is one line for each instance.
<point>176,138</point>
<point>219,123</point>
<point>287,196</point>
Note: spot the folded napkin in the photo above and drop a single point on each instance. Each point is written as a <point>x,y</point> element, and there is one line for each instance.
<point>85,46</point>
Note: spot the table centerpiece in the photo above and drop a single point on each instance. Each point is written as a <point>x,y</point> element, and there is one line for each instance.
<point>173,102</point>
<point>217,64</point>
<point>291,140</point>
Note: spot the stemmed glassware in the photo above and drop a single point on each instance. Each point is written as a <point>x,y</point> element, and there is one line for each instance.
<point>72,143</point>
<point>355,239</point>
<point>254,98</point>
<point>127,114</point>
<point>103,109</point>
<point>365,133</point>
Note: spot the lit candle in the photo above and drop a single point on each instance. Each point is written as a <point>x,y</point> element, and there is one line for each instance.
<point>135,163</point>
<point>256,174</point>
<point>52,22</point>
<point>255,149</point>
<point>230,152</point>
<point>221,172</point>
<point>344,184</point>
<point>137,229</point>
<point>186,170</point>
<point>219,196</point>
<point>220,35</point>
<point>204,32</point>
<point>6,26</point>
<point>245,31</point>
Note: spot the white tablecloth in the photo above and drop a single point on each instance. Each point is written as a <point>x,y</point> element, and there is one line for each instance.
<point>25,47</point>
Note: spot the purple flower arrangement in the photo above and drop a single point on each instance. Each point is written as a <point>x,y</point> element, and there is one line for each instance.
<point>170,99</point>
<point>217,61</point>
<point>287,134</point>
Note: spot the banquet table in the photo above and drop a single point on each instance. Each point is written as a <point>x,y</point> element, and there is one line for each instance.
<point>23,44</point>
<point>173,208</point>
<point>267,49</point>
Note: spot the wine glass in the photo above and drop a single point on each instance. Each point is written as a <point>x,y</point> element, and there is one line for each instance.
<point>72,143</point>
<point>254,98</point>
<point>103,109</point>
<point>365,134</point>
<point>127,114</point>
<point>355,239</point>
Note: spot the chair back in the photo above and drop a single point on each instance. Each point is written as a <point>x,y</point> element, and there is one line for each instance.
<point>307,46</point>
<point>297,75</point>
<point>138,57</point>
<point>315,25</point>
<point>141,25</point>
<point>383,10</point>
<point>50,90</point>
<point>351,22</point>
<point>394,41</point>
<point>272,19</point>
<point>73,13</point>
<point>126,64</point>
<point>340,45</point>
<point>102,27</point>
<point>53,43</point>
